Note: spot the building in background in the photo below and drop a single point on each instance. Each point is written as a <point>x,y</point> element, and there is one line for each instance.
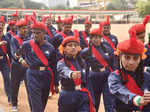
<point>86,3</point>
<point>55,3</point>
<point>93,4</point>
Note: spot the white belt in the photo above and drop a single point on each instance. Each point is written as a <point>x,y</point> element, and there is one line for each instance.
<point>42,68</point>
<point>1,57</point>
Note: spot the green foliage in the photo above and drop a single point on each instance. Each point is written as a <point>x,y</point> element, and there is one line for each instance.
<point>143,7</point>
<point>80,8</point>
<point>16,4</point>
<point>63,7</point>
<point>111,6</point>
<point>8,3</point>
<point>121,5</point>
<point>34,5</point>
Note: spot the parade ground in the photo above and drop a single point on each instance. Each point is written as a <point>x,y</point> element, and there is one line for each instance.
<point>120,30</point>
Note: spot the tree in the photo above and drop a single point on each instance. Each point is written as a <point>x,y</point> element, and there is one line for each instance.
<point>143,7</point>
<point>121,5</point>
<point>68,3</point>
<point>111,6</point>
<point>17,4</point>
<point>8,4</point>
<point>116,5</point>
<point>34,5</point>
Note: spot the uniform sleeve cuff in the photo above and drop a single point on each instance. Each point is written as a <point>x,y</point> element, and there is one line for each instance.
<point>70,75</point>
<point>136,100</point>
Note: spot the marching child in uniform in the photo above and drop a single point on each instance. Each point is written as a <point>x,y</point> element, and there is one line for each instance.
<point>130,84</point>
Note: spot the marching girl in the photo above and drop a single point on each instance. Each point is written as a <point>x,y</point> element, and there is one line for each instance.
<point>74,96</point>
<point>130,84</point>
<point>100,58</point>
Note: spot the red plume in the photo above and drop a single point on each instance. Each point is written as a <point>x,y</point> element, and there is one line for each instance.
<point>26,18</point>
<point>146,19</point>
<point>50,15</point>
<point>100,27</point>
<point>107,20</point>
<point>44,19</point>
<point>34,14</point>
<point>16,13</point>
<point>87,19</point>
<point>72,18</point>
<point>133,40</point>
<point>59,18</point>
<point>2,19</point>
<point>76,33</point>
<point>32,19</point>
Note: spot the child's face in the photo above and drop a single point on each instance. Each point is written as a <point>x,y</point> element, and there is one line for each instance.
<point>130,62</point>
<point>106,29</point>
<point>71,49</point>
<point>96,40</point>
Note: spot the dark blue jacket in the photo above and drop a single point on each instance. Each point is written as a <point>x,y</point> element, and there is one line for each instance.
<point>33,61</point>
<point>52,30</point>
<point>123,97</point>
<point>83,44</point>
<point>15,46</point>
<point>2,54</point>
<point>113,38</point>
<point>9,36</point>
<point>58,38</point>
<point>105,51</point>
<point>147,60</point>
<point>65,72</point>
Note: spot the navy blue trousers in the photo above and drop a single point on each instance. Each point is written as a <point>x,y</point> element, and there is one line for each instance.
<point>100,85</point>
<point>38,83</point>
<point>18,73</point>
<point>5,70</point>
<point>73,101</point>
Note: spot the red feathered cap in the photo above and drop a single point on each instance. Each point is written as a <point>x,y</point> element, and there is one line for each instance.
<point>23,22</point>
<point>11,22</point>
<point>67,40</point>
<point>87,21</point>
<point>15,14</point>
<point>68,20</point>
<point>37,25</point>
<point>70,39</point>
<point>59,20</point>
<point>97,31</point>
<point>106,22</point>
<point>46,17</point>
<point>132,45</point>
<point>2,19</point>
<point>140,27</point>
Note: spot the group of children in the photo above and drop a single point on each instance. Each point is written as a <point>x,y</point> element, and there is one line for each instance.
<point>85,63</point>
